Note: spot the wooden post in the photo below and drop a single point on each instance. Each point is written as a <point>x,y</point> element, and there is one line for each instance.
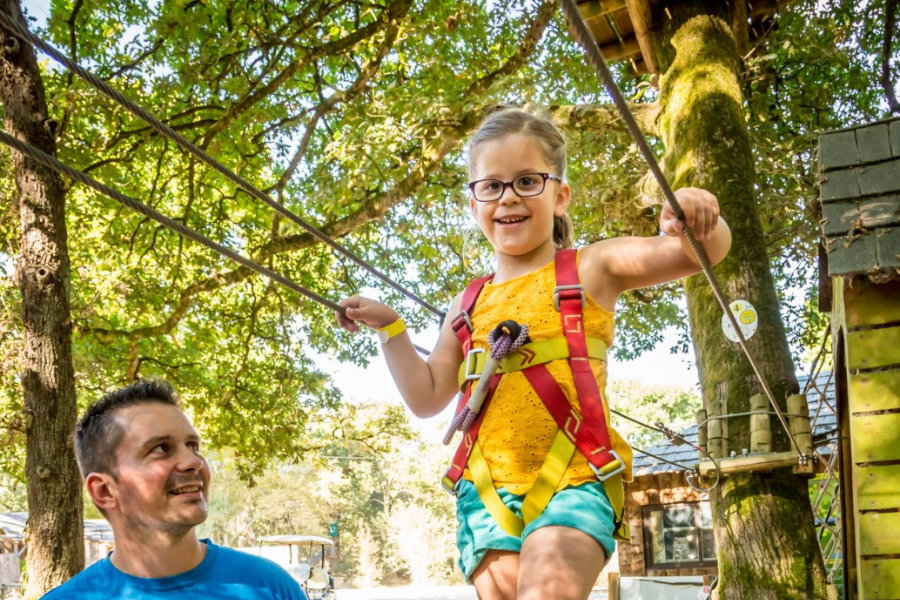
<point>613,585</point>
<point>799,426</point>
<point>718,444</point>
<point>701,431</point>
<point>797,405</point>
<point>760,425</point>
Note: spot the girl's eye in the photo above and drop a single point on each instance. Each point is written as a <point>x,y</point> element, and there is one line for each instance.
<point>491,186</point>
<point>527,181</point>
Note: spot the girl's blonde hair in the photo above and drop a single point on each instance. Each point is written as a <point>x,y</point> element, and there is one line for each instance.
<point>550,142</point>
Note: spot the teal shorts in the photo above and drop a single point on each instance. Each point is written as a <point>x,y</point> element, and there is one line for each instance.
<point>584,507</point>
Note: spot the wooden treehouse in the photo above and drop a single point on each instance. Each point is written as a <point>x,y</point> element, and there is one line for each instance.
<point>671,523</point>
<point>624,28</point>
<point>860,272</point>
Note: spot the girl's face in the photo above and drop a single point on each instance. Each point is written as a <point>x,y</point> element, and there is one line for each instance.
<point>520,227</point>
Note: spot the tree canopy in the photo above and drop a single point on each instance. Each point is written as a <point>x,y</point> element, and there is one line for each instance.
<point>355,115</point>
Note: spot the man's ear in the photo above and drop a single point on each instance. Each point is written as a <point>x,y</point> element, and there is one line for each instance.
<point>101,487</point>
<point>563,197</point>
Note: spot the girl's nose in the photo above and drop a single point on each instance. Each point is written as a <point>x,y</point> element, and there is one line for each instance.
<point>508,196</point>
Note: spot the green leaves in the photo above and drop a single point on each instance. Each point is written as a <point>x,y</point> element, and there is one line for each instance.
<point>355,116</point>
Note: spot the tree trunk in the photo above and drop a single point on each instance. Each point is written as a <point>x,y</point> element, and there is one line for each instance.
<point>55,530</point>
<point>764,524</point>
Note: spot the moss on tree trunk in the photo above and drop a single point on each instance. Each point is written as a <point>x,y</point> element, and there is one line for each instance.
<point>764,524</point>
<point>55,532</point>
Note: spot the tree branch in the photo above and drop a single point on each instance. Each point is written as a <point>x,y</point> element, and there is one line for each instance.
<point>375,206</point>
<point>889,8</point>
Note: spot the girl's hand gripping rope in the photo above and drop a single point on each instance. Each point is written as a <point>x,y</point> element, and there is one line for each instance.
<point>506,338</point>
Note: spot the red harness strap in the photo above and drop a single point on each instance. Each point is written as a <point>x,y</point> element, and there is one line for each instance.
<point>462,327</point>
<point>569,299</point>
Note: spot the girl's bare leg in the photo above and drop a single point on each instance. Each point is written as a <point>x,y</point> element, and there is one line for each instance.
<point>560,563</point>
<point>496,576</point>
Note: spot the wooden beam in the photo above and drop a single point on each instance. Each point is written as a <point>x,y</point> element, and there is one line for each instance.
<point>620,50</point>
<point>741,29</point>
<point>642,22</point>
<point>741,464</point>
<point>597,8</point>
<point>758,8</point>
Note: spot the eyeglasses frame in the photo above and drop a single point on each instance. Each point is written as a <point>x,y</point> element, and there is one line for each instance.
<point>509,184</point>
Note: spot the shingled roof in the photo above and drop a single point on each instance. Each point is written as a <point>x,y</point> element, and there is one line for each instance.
<point>860,194</point>
<point>824,430</point>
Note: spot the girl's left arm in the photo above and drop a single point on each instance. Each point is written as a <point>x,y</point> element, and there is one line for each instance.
<point>610,267</point>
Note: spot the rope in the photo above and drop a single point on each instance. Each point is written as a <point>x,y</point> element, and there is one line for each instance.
<point>595,57</point>
<point>677,440</point>
<point>9,23</point>
<point>60,167</point>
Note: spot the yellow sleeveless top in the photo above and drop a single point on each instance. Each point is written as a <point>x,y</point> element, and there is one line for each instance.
<point>517,430</point>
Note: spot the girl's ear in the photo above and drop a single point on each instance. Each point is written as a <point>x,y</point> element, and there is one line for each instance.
<point>101,489</point>
<point>472,204</point>
<point>563,197</point>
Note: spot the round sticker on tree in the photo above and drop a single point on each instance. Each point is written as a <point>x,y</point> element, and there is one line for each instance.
<point>746,317</point>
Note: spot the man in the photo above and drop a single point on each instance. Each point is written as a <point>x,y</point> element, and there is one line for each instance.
<point>142,466</point>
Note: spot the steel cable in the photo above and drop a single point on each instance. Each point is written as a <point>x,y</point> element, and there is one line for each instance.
<point>595,57</point>
<point>9,23</point>
<point>55,164</point>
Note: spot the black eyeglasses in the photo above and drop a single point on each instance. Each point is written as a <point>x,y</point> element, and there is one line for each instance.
<point>525,186</point>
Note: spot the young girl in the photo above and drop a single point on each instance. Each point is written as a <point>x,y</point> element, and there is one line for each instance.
<point>538,483</point>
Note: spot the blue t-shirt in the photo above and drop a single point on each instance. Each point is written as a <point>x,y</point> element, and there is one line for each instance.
<point>223,574</point>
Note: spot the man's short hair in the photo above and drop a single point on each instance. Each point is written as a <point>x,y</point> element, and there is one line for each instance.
<point>98,434</point>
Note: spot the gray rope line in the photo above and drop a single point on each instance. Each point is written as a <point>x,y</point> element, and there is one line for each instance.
<point>595,57</point>
<point>55,164</point>
<point>7,21</point>
<point>651,455</point>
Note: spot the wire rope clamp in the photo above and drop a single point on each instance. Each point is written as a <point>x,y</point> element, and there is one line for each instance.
<point>602,473</point>
<point>568,292</point>
<point>472,373</point>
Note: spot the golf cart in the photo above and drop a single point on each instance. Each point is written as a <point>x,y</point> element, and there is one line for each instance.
<point>315,580</point>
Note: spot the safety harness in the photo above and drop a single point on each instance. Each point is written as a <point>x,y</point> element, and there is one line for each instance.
<point>588,431</point>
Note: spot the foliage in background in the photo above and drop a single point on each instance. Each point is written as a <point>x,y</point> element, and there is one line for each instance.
<point>355,115</point>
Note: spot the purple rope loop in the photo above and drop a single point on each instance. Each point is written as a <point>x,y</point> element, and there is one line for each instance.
<point>503,344</point>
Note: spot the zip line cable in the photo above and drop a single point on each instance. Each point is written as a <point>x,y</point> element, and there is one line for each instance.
<point>55,164</point>
<point>13,26</point>
<point>595,57</point>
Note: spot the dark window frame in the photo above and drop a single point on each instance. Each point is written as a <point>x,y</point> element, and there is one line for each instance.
<point>649,563</point>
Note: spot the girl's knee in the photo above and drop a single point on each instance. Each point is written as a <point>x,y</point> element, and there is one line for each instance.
<point>496,577</point>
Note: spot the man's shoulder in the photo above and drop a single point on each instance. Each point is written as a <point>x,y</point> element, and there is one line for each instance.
<point>92,582</point>
<point>255,570</point>
<point>246,559</point>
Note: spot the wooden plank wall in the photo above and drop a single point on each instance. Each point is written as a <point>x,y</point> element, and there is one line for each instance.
<point>658,488</point>
<point>872,333</point>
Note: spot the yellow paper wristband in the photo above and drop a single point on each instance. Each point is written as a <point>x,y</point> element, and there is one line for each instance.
<point>392,330</point>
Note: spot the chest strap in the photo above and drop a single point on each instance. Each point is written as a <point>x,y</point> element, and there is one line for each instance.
<point>535,353</point>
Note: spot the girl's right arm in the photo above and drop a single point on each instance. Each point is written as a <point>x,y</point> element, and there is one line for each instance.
<point>427,386</point>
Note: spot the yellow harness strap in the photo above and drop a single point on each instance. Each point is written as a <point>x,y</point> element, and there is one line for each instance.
<point>541,492</point>
<point>535,353</point>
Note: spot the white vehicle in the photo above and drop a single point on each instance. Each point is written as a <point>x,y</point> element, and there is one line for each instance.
<point>315,580</point>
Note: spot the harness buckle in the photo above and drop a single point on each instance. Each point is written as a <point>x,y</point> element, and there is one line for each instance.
<point>472,364</point>
<point>559,290</point>
<point>455,323</point>
<point>452,490</point>
<point>603,476</point>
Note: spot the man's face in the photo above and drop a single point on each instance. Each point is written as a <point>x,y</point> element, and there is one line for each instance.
<point>162,480</point>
